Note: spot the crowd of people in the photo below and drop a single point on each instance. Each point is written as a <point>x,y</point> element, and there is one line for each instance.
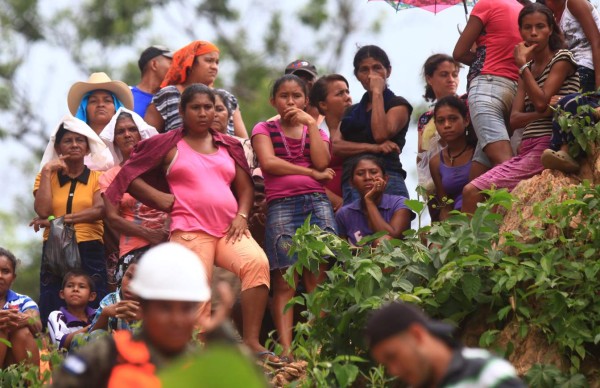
<point>170,159</point>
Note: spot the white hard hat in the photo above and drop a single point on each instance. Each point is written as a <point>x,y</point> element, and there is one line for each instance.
<point>170,271</point>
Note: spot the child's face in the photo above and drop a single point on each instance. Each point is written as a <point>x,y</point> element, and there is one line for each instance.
<point>125,293</point>
<point>289,95</point>
<point>169,325</point>
<point>77,292</point>
<point>449,123</point>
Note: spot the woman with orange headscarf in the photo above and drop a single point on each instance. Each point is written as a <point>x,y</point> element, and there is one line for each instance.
<point>198,62</point>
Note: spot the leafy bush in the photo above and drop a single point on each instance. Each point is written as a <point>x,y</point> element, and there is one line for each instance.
<point>585,132</point>
<point>25,375</point>
<point>547,280</point>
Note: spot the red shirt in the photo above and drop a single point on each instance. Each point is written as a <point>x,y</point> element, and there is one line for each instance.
<point>500,35</point>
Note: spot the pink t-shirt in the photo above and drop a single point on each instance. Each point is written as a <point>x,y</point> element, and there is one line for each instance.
<point>201,184</point>
<point>500,34</point>
<point>296,152</point>
<point>134,211</point>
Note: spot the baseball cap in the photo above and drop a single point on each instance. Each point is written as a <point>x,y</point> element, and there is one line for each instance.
<point>396,317</point>
<point>300,65</point>
<point>151,53</point>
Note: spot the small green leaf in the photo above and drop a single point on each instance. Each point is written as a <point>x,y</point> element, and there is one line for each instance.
<point>345,374</point>
<point>546,264</point>
<point>471,285</point>
<point>415,205</point>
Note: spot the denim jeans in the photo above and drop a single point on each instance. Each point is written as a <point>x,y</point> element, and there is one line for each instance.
<point>286,215</point>
<point>93,263</point>
<point>587,79</point>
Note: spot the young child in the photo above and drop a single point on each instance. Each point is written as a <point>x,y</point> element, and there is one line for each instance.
<point>118,310</point>
<point>374,211</point>
<point>72,321</point>
<point>451,168</point>
<point>294,157</point>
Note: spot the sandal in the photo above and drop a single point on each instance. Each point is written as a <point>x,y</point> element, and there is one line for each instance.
<point>559,160</point>
<point>266,357</point>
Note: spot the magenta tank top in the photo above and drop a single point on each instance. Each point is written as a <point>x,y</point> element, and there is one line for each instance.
<point>201,184</point>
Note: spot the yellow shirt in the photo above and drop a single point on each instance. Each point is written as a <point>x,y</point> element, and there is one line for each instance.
<point>429,132</point>
<point>83,198</point>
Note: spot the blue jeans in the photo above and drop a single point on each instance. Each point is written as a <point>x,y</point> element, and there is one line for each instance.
<point>395,186</point>
<point>587,79</point>
<point>285,216</point>
<point>570,103</point>
<point>93,263</point>
<point>490,101</point>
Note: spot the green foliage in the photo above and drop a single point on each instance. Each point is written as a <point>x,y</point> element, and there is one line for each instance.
<point>24,375</point>
<point>224,366</point>
<point>549,376</point>
<point>547,280</point>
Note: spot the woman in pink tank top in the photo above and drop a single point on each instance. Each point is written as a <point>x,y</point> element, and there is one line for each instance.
<point>210,197</point>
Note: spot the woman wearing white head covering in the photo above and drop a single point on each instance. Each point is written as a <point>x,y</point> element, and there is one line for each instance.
<point>139,226</point>
<point>65,186</point>
<point>107,135</point>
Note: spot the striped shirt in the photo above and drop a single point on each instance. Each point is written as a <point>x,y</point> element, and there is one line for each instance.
<point>477,368</point>
<point>166,101</point>
<point>543,127</point>
<point>15,301</point>
<point>295,151</point>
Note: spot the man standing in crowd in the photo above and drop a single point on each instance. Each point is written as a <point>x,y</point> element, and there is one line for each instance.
<point>154,64</point>
<point>422,353</point>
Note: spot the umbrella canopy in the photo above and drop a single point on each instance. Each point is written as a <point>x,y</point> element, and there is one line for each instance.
<point>434,6</point>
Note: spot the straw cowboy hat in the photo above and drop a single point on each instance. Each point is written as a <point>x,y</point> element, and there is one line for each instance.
<point>95,82</point>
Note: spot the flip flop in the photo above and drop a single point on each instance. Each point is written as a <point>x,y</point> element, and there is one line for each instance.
<point>559,160</point>
<point>265,356</point>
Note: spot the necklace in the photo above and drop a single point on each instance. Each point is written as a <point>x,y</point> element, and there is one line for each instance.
<point>457,155</point>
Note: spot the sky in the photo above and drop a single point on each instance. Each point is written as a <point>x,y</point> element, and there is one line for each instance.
<point>408,36</point>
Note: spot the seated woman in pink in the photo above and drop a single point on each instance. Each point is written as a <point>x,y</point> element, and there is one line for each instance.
<point>201,178</point>
<point>138,225</point>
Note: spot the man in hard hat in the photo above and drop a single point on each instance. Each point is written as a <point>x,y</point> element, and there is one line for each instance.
<point>421,352</point>
<point>170,283</point>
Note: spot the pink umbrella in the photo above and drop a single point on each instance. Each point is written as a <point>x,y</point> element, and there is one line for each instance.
<point>434,6</point>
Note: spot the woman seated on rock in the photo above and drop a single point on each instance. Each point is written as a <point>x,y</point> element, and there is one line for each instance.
<point>374,211</point>
<point>546,70</point>
<point>19,318</point>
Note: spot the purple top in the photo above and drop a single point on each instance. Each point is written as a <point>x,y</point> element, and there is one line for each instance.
<point>454,179</point>
<point>61,323</point>
<point>353,223</point>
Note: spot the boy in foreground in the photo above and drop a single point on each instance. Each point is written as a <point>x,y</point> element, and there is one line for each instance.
<point>72,321</point>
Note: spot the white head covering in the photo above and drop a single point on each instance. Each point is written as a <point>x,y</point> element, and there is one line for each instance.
<point>97,155</point>
<point>108,133</point>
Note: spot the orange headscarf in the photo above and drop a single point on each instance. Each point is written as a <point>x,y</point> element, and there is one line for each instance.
<point>183,59</point>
